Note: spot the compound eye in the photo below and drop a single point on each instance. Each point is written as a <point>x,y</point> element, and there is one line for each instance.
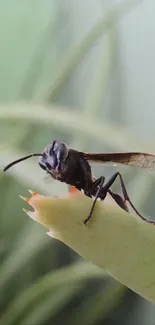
<point>53,147</point>
<point>51,161</point>
<point>60,150</point>
<point>48,166</point>
<point>42,166</point>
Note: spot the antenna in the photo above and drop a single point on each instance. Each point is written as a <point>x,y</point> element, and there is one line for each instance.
<point>21,159</point>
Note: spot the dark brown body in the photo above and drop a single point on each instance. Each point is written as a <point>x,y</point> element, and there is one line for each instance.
<point>72,167</point>
<point>75,171</point>
<point>79,174</point>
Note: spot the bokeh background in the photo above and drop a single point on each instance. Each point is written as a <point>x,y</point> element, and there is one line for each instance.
<point>82,72</point>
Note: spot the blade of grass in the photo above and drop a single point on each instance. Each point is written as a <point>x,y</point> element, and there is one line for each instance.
<point>49,306</point>
<point>74,57</point>
<point>98,86</point>
<point>104,132</point>
<point>29,243</point>
<point>99,305</point>
<point>45,285</point>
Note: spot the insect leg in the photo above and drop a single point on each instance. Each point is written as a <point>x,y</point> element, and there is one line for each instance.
<point>99,182</point>
<point>106,187</point>
<point>119,200</point>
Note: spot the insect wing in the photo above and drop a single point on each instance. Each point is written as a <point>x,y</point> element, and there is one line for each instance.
<point>142,160</point>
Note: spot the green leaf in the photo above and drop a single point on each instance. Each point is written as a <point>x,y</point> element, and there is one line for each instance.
<point>118,242</point>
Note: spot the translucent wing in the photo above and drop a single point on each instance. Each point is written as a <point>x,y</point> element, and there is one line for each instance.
<point>142,160</point>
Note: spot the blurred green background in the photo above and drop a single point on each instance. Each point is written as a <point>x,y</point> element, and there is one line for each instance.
<point>81,72</point>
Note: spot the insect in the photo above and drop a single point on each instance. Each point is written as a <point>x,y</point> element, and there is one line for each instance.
<point>72,167</point>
